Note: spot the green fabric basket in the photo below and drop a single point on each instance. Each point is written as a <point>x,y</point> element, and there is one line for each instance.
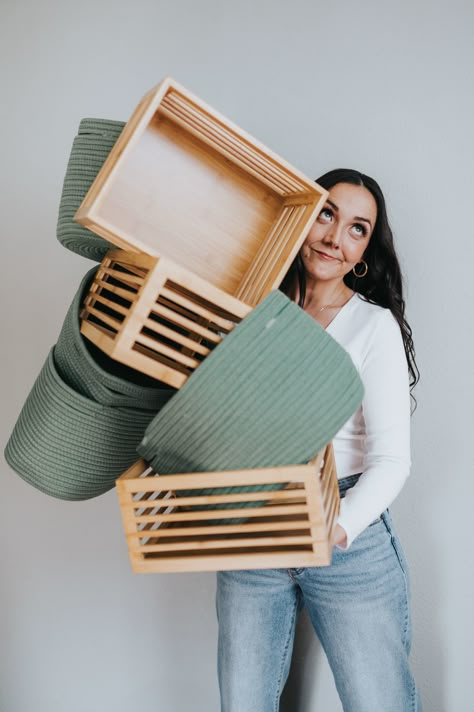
<point>80,425</point>
<point>90,148</point>
<point>272,393</point>
<point>89,371</point>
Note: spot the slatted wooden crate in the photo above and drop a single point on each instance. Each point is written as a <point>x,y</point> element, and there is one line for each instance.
<point>184,182</point>
<point>155,316</point>
<point>290,527</point>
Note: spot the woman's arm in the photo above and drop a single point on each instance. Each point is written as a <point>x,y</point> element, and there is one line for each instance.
<point>386,412</point>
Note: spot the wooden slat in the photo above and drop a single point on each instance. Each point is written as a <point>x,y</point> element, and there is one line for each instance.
<point>217,137</point>
<point>236,560</point>
<point>227,544</point>
<point>226,528</point>
<point>328,497</point>
<point>187,314</point>
<point>190,281</point>
<point>299,200</point>
<point>138,469</point>
<point>204,500</point>
<point>245,286</point>
<point>173,354</point>
<point>133,279</point>
<point>241,147</point>
<point>224,138</point>
<point>266,266</point>
<point>93,331</point>
<point>223,150</point>
<point>181,321</point>
<point>184,312</point>
<point>316,515</point>
<point>224,324</point>
<point>222,478</point>
<point>138,260</point>
<point>232,513</point>
<point>177,337</point>
<point>119,291</point>
<point>333,510</point>
<point>98,297</point>
<point>162,368</point>
<point>126,264</point>
<point>114,323</point>
<point>207,296</point>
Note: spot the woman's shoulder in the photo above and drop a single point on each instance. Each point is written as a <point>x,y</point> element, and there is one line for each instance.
<point>373,315</point>
<point>368,307</point>
<point>379,332</point>
<point>374,326</point>
<point>360,324</point>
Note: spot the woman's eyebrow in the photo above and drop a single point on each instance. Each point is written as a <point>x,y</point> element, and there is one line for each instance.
<point>363,220</point>
<point>336,208</point>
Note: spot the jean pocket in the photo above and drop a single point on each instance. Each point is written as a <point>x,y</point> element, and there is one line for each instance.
<point>397,547</point>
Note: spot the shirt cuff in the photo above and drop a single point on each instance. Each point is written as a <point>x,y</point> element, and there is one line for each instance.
<point>344,521</point>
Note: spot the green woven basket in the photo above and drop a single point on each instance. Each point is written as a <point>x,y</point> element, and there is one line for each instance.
<point>80,425</point>
<point>90,148</point>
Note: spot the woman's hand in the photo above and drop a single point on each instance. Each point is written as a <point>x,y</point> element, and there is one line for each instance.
<point>339,536</point>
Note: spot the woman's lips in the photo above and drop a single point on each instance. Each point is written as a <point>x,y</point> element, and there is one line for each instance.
<point>324,256</point>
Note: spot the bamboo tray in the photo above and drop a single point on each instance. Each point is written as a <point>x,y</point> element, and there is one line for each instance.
<point>184,182</point>
<point>290,527</point>
<point>155,316</point>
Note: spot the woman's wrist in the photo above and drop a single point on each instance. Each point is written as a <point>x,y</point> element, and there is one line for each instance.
<point>339,537</point>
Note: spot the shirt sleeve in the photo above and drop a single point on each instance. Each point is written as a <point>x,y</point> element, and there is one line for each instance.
<point>386,413</point>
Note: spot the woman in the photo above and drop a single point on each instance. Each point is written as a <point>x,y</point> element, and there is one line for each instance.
<point>347,277</point>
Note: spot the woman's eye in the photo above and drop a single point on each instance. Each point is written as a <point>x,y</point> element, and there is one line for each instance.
<point>360,230</point>
<point>325,214</point>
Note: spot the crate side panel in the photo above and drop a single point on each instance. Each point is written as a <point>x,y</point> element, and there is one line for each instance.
<point>177,198</point>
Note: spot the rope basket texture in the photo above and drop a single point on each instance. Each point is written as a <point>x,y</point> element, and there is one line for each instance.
<point>93,143</point>
<point>81,423</point>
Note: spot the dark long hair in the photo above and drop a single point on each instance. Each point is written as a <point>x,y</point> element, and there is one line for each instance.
<point>382,284</point>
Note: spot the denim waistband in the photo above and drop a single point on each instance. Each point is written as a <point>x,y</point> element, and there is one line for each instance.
<point>345,483</point>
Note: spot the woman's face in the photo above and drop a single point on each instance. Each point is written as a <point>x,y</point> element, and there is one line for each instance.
<point>341,233</point>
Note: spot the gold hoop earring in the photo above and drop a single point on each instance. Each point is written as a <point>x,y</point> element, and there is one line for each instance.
<point>360,274</point>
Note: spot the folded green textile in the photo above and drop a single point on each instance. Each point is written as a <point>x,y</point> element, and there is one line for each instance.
<point>95,375</point>
<point>90,148</point>
<point>80,425</point>
<point>272,393</point>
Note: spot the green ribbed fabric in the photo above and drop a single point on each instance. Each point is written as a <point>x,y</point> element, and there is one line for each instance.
<point>272,393</point>
<point>90,148</point>
<point>80,425</point>
<point>93,374</point>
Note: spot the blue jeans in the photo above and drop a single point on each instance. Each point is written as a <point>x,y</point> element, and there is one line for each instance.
<point>359,608</point>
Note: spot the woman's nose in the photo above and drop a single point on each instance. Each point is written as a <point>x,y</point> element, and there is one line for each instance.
<point>332,237</point>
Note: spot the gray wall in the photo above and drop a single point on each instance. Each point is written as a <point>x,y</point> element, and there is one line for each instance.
<point>382,86</point>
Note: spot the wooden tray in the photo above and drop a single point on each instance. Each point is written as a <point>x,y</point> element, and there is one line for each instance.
<point>292,528</point>
<point>155,316</point>
<point>184,182</point>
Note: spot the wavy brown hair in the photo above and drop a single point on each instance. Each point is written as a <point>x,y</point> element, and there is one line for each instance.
<point>382,284</point>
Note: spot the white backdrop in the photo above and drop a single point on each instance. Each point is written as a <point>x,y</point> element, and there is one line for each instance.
<point>384,87</point>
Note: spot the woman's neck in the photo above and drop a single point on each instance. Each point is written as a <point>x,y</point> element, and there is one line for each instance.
<point>323,293</point>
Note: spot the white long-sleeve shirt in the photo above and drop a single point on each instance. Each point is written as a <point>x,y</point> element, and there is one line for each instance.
<point>376,440</point>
